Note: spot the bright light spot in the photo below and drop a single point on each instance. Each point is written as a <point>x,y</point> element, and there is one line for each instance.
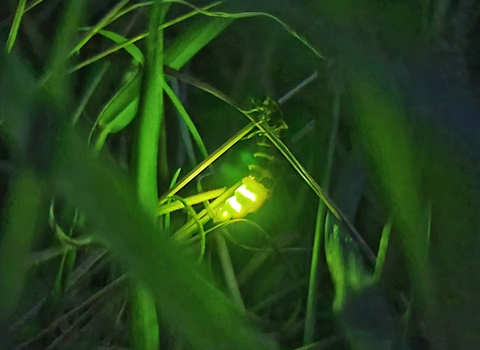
<point>234,204</point>
<point>247,193</point>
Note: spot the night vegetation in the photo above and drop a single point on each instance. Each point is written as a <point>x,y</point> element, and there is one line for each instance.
<point>240,175</point>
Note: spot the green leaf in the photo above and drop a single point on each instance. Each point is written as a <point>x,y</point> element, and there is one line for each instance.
<point>195,38</point>
<point>108,118</point>
<point>132,49</point>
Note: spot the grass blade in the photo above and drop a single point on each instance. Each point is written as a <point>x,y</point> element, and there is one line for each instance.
<point>228,271</point>
<point>149,119</point>
<point>319,228</point>
<point>12,35</point>
<point>206,163</point>
<point>186,118</point>
<point>382,250</point>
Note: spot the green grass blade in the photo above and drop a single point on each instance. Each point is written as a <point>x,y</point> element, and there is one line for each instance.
<point>382,250</point>
<point>89,93</point>
<point>145,326</point>
<point>319,229</point>
<point>25,201</point>
<point>124,98</point>
<point>186,118</point>
<point>132,49</point>
<point>17,19</point>
<point>206,162</point>
<point>56,81</point>
<point>228,271</point>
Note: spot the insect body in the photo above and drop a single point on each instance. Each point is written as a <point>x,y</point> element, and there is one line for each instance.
<point>256,187</point>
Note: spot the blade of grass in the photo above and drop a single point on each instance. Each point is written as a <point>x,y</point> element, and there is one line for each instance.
<point>382,250</point>
<point>166,219</point>
<point>228,270</point>
<point>12,35</point>
<point>320,225</point>
<point>205,163</point>
<point>192,200</point>
<point>89,93</point>
<point>145,327</point>
<point>186,118</point>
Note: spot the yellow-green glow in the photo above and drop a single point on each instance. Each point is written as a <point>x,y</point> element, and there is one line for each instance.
<point>247,199</point>
<point>234,204</point>
<point>247,193</point>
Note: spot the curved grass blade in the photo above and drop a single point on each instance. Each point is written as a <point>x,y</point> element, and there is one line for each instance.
<point>238,15</point>
<point>12,35</point>
<point>192,200</point>
<point>108,118</point>
<point>132,49</point>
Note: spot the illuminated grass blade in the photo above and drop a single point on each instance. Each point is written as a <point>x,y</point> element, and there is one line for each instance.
<point>192,200</point>
<point>207,162</point>
<point>12,35</point>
